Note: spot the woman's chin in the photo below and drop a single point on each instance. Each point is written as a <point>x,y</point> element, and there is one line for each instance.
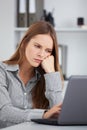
<point>36,65</point>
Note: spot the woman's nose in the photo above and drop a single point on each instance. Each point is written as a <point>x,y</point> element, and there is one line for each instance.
<point>42,53</point>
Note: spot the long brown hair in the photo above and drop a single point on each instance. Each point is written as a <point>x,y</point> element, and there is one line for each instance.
<point>40,27</point>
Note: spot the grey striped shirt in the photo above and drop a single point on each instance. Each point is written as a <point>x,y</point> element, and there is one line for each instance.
<point>15,98</point>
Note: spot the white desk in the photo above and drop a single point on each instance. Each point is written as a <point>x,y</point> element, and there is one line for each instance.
<point>34,126</point>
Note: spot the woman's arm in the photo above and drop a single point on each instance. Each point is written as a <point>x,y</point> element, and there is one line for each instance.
<point>53,88</point>
<point>53,82</point>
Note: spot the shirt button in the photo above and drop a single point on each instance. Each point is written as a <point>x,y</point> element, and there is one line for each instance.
<point>25,94</point>
<point>25,107</point>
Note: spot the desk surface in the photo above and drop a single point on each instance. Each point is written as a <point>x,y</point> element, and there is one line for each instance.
<point>34,126</point>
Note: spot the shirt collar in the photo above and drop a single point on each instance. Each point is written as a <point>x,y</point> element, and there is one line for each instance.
<point>15,68</point>
<point>38,75</point>
<point>10,67</point>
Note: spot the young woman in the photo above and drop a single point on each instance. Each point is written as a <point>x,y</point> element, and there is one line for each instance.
<point>30,81</point>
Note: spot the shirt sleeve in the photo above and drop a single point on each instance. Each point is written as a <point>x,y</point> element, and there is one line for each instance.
<point>53,88</point>
<point>9,114</point>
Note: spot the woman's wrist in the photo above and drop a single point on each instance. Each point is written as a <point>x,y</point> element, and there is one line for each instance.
<point>45,114</point>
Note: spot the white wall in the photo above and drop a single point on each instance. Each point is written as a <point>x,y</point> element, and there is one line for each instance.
<point>67,11</point>
<point>65,14</point>
<point>76,52</point>
<point>6,28</point>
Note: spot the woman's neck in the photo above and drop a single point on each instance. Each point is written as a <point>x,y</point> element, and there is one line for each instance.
<point>26,72</point>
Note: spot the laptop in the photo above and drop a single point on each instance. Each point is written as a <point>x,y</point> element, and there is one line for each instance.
<point>74,108</point>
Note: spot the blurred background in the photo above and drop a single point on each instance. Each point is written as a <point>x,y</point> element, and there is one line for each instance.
<point>69,19</point>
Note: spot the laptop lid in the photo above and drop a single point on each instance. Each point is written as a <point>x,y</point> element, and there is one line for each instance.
<point>74,109</point>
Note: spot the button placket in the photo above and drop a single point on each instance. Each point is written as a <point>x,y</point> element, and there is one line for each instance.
<point>25,100</point>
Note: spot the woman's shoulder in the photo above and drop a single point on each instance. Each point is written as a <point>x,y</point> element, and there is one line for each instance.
<point>2,65</point>
<point>8,67</point>
<point>2,69</point>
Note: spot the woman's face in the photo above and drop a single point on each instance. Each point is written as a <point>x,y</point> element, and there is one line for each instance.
<point>38,48</point>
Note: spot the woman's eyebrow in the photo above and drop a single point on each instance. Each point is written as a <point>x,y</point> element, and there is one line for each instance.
<point>42,46</point>
<point>49,49</point>
<point>37,42</point>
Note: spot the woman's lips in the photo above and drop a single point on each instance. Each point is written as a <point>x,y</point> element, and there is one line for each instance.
<point>38,61</point>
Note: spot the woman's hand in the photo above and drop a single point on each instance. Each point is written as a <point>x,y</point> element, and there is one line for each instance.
<point>48,64</point>
<point>53,112</point>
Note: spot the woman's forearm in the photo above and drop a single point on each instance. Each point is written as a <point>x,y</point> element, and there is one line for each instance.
<point>53,88</point>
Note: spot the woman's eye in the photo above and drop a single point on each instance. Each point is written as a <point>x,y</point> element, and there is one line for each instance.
<point>37,46</point>
<point>48,51</point>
